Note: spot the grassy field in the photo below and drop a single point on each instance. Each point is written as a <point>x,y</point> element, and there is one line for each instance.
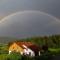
<point>10,57</point>
<point>53,52</point>
<point>46,56</point>
<point>54,49</point>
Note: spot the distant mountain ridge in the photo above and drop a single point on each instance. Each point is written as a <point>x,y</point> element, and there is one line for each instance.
<point>7,39</point>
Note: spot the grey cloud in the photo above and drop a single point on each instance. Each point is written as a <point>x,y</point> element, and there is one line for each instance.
<point>50,6</point>
<point>30,23</point>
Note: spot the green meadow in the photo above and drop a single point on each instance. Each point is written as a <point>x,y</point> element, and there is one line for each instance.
<point>53,43</point>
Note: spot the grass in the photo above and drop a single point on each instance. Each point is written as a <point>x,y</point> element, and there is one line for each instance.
<point>5,56</point>
<point>54,49</point>
<point>16,56</point>
<point>10,57</point>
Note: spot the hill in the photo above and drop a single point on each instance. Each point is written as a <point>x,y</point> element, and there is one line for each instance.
<point>52,41</point>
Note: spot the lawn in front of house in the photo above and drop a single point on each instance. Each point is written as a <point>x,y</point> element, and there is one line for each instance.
<point>54,51</point>
<point>10,57</point>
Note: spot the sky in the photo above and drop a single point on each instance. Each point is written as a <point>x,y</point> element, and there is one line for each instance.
<point>51,7</point>
<point>29,23</point>
<point>21,18</point>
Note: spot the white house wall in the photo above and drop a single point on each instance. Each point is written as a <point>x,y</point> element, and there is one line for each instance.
<point>27,51</point>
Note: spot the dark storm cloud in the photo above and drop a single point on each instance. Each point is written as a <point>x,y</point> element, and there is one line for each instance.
<point>10,6</point>
<point>29,23</point>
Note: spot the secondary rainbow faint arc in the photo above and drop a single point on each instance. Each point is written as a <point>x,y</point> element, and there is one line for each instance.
<point>22,12</point>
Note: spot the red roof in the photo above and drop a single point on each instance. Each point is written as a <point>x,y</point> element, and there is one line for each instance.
<point>24,43</point>
<point>35,48</point>
<point>30,45</point>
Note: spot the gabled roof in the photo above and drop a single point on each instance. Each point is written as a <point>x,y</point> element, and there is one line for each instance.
<point>24,43</point>
<point>29,45</point>
<point>35,48</point>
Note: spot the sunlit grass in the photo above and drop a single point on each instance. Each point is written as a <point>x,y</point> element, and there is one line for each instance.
<point>54,49</point>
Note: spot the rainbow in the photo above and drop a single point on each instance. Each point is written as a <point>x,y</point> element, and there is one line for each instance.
<point>22,12</point>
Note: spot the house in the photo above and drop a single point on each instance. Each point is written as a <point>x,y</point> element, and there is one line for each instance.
<point>25,48</point>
